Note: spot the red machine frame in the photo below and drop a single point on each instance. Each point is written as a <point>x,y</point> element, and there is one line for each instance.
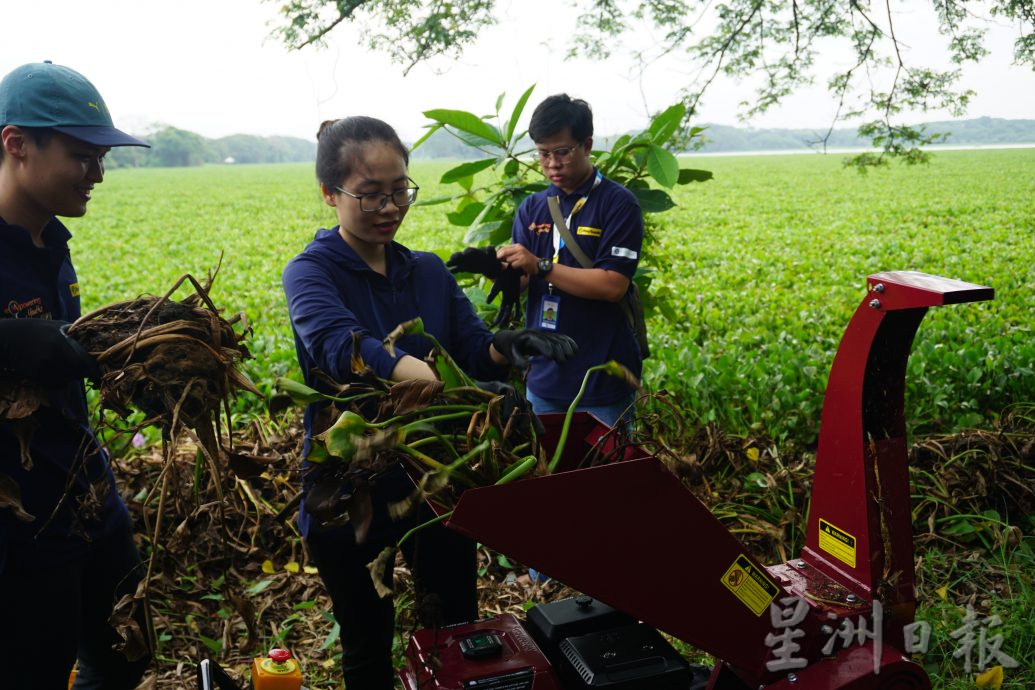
<point>632,535</point>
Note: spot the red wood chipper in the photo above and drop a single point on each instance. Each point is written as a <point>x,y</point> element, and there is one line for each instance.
<point>631,536</point>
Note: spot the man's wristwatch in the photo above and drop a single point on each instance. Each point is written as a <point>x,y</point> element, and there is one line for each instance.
<point>545,266</point>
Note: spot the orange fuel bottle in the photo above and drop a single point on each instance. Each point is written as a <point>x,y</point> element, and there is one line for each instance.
<point>278,671</point>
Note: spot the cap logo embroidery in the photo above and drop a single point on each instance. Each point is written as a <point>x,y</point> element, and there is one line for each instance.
<point>93,105</point>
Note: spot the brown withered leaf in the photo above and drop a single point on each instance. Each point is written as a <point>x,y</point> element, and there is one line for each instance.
<point>11,497</point>
<point>133,643</point>
<point>23,429</point>
<point>409,396</point>
<point>430,483</point>
<point>360,506</point>
<point>380,568</point>
<point>358,365</point>
<point>368,446</point>
<point>245,608</point>
<point>19,400</point>
<point>248,466</point>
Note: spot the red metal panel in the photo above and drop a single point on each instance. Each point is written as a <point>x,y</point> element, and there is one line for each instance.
<point>852,669</point>
<point>631,535</point>
<point>860,530</point>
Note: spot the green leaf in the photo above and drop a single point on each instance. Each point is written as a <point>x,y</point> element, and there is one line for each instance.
<point>299,392</point>
<point>332,637</point>
<point>466,215</point>
<point>654,200</point>
<point>214,646</point>
<point>258,587</point>
<point>467,122</point>
<point>466,170</point>
<point>504,562</point>
<point>431,130</point>
<point>688,175</point>
<point>662,166</point>
<point>665,125</point>
<point>518,108</point>
<point>434,201</point>
<point>485,233</point>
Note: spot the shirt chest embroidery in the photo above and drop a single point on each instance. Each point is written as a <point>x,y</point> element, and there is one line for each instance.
<point>29,308</point>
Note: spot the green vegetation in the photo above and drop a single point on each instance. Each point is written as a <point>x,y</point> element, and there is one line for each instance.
<point>763,267</point>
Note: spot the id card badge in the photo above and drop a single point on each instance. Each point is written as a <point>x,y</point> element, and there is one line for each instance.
<point>549,312</point>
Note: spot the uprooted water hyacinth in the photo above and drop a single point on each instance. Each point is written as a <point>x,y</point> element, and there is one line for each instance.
<point>448,432</point>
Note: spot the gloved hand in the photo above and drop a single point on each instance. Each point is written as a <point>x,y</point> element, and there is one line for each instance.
<point>481,260</point>
<point>518,346</point>
<point>513,404</point>
<point>508,284</point>
<point>38,350</point>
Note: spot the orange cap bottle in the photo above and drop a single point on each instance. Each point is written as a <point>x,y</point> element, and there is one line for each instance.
<point>278,671</point>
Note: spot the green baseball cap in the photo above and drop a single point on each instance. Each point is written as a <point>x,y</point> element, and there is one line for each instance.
<point>42,94</point>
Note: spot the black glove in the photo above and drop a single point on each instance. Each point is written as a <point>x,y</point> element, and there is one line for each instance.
<point>513,405</point>
<point>38,350</point>
<point>507,284</point>
<point>481,260</point>
<point>518,346</point>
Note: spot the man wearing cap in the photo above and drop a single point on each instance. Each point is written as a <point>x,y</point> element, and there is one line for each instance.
<point>66,547</point>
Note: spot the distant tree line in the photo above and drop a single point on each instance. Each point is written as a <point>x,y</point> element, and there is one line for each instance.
<point>172,147</point>
<point>982,131</point>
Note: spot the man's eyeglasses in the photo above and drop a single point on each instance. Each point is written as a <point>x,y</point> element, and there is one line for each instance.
<point>375,201</point>
<point>561,154</point>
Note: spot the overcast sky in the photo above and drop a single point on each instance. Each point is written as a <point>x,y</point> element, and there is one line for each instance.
<point>208,66</point>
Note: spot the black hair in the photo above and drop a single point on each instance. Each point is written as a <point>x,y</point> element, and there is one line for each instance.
<point>560,112</point>
<point>40,136</point>
<point>338,143</point>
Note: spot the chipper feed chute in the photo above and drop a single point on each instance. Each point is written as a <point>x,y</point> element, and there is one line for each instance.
<point>631,535</point>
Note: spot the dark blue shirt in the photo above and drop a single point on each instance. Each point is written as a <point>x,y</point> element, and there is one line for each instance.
<point>332,293</point>
<point>40,282</point>
<point>609,229</point>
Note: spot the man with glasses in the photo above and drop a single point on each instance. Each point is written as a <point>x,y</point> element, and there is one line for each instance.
<point>578,296</point>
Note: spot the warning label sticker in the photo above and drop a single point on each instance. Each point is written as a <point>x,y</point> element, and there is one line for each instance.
<point>750,584</point>
<point>836,542</point>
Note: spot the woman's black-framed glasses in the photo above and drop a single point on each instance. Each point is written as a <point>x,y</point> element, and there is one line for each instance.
<point>375,201</point>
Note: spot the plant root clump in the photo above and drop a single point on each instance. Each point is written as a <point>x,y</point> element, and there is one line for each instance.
<point>173,360</point>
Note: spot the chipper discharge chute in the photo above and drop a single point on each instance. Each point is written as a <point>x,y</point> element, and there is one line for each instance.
<point>629,533</point>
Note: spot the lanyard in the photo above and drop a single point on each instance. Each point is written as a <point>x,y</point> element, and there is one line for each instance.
<point>558,241</point>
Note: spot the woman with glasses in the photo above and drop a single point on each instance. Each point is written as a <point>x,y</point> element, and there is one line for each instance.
<point>355,279</point>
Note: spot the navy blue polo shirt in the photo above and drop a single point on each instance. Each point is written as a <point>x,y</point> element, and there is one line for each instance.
<point>332,293</point>
<point>40,283</point>
<point>609,229</point>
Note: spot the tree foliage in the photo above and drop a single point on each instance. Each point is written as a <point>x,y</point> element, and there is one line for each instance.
<point>779,41</point>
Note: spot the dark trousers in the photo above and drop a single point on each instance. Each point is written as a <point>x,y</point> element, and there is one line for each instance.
<point>50,616</point>
<point>444,570</point>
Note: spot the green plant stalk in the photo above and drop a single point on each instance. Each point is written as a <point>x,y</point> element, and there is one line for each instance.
<point>566,427</point>
<point>518,471</point>
<point>437,418</point>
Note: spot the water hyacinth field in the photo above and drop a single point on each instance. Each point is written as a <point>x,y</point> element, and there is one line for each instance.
<point>760,270</point>
<point>756,274</point>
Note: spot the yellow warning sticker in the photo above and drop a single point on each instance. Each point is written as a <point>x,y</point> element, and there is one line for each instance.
<point>837,542</point>
<point>750,584</point>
